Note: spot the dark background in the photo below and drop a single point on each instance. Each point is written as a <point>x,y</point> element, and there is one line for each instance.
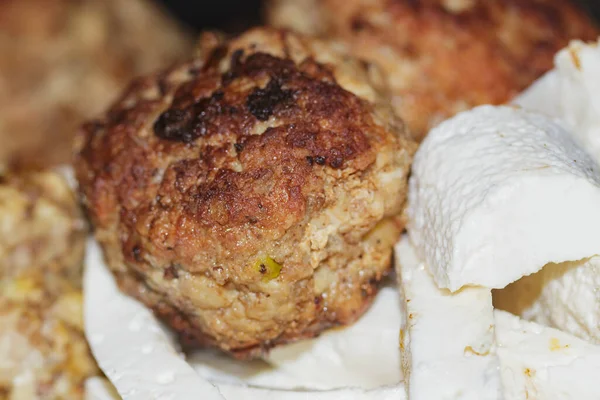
<point>236,15</point>
<point>228,15</point>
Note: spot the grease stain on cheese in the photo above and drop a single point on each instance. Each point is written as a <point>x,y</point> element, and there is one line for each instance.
<point>555,345</point>
<point>541,167</point>
<point>471,350</point>
<point>402,339</point>
<point>575,58</point>
<point>530,374</point>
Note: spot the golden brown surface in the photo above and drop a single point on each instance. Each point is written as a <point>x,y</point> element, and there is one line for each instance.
<point>43,351</point>
<point>64,61</point>
<point>249,197</point>
<point>444,56</point>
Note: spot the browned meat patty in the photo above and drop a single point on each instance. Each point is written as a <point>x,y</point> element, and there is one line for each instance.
<point>444,56</point>
<point>43,351</point>
<point>64,61</point>
<point>250,197</point>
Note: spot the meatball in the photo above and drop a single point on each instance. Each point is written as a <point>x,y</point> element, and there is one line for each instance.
<point>444,56</point>
<point>42,236</point>
<point>64,61</point>
<point>251,196</point>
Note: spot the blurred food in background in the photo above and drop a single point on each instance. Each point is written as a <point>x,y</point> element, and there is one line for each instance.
<point>43,352</point>
<point>62,62</point>
<point>65,60</point>
<point>444,56</point>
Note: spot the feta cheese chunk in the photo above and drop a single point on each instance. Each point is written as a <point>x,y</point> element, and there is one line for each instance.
<point>448,338</point>
<point>543,363</point>
<point>498,192</point>
<point>571,92</point>
<point>565,296</point>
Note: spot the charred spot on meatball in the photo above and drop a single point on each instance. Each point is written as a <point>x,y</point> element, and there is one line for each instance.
<point>188,124</point>
<point>262,102</point>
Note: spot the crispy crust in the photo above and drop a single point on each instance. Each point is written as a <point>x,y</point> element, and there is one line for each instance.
<point>444,56</point>
<point>200,172</point>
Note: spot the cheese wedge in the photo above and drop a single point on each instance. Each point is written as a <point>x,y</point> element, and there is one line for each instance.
<point>571,93</point>
<point>448,338</point>
<point>545,364</point>
<point>498,192</point>
<point>565,296</point>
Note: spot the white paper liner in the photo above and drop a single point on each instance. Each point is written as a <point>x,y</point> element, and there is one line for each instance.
<point>364,354</point>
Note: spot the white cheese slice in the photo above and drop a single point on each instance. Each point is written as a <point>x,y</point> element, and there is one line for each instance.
<point>571,92</point>
<point>365,354</point>
<point>498,192</point>
<point>448,342</point>
<point>565,296</point>
<point>140,358</point>
<point>545,364</point>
